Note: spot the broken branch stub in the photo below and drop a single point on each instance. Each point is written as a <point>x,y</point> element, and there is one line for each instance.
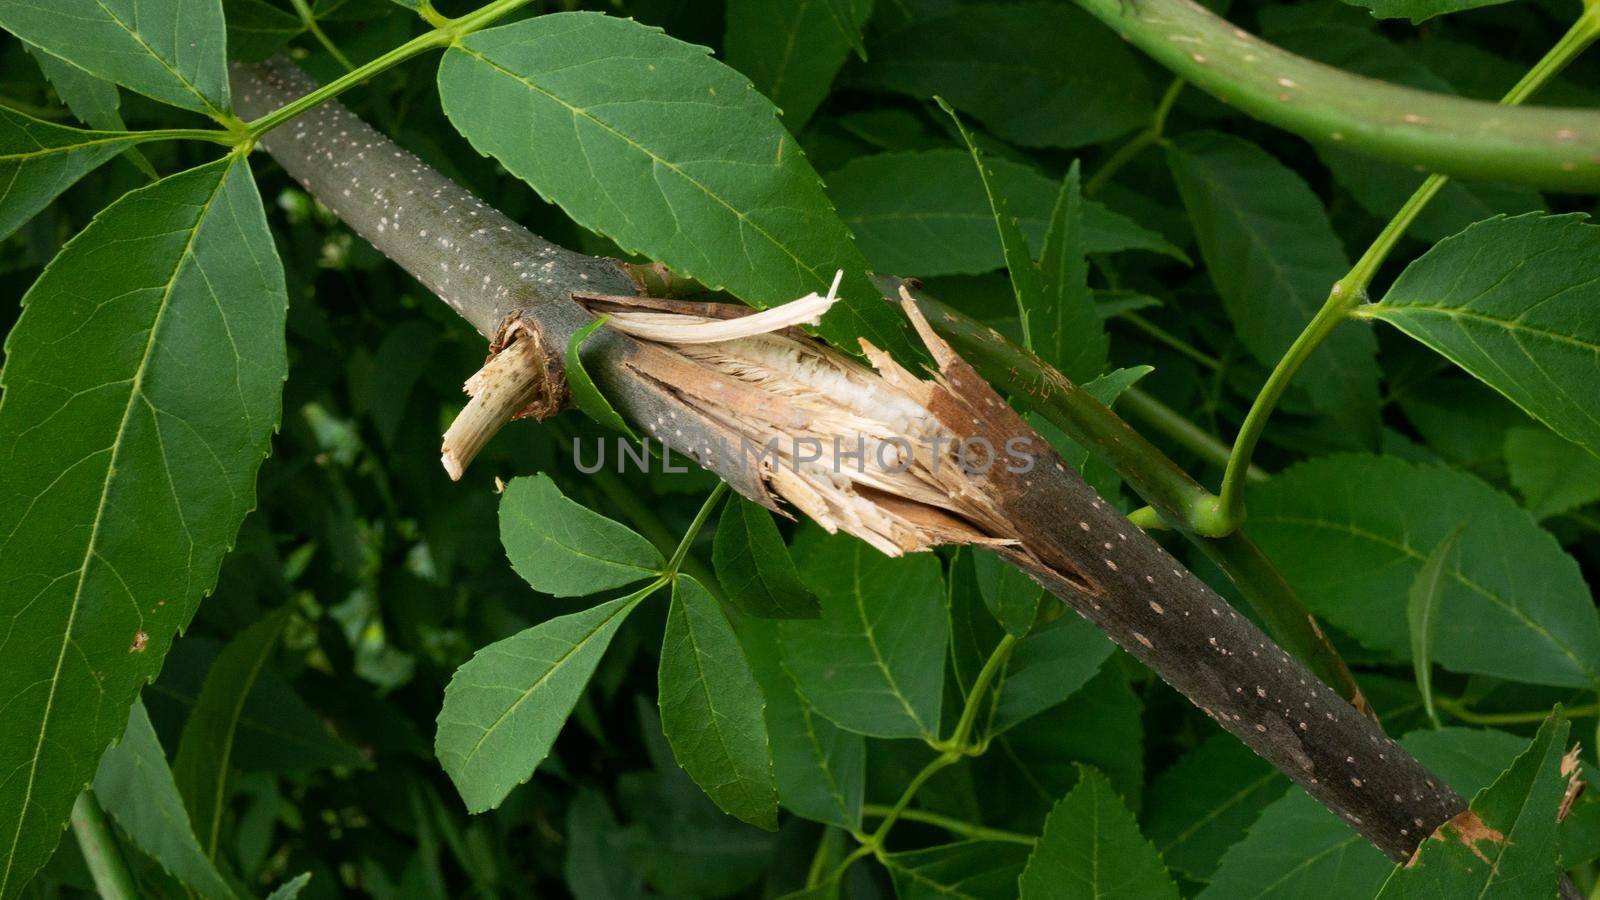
<point>723,403</point>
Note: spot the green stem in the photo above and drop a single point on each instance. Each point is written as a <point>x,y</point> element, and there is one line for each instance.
<point>694,528</point>
<point>1163,336</point>
<point>214,135</point>
<point>1169,422</point>
<point>1138,143</point>
<point>100,851</point>
<point>960,739</point>
<point>1529,717</point>
<point>309,20</point>
<point>1351,290</point>
<point>444,33</point>
<point>875,841</point>
<point>1545,147</point>
<point>953,825</point>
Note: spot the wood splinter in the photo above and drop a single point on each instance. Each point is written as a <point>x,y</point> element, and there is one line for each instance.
<point>515,383</point>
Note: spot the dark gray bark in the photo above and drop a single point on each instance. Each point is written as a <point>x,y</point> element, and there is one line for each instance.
<point>487,268</point>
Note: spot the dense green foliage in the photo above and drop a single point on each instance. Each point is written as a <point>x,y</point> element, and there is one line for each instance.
<point>542,681</point>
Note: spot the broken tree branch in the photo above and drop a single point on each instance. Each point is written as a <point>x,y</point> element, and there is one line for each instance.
<point>700,398</point>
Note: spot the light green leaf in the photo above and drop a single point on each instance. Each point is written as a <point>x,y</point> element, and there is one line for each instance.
<point>1091,849</point>
<point>564,548</point>
<point>968,870</point>
<point>1552,474</point>
<point>1003,64</point>
<point>1422,611</point>
<point>291,889</point>
<point>172,50</point>
<point>1298,849</point>
<point>1204,803</point>
<point>1419,11</point>
<point>141,387</point>
<point>1506,847</point>
<point>792,49</point>
<point>754,566</point>
<point>39,160</point>
<point>584,392</point>
<point>711,708</point>
<point>1011,596</point>
<point>205,751</point>
<point>505,706</point>
<point>1512,301</point>
<point>874,662</point>
<point>1026,284</point>
<point>925,213</point>
<point>1069,333</point>
<point>1515,606</point>
<point>1274,257</point>
<point>136,788</point>
<point>671,154</point>
<point>821,768</point>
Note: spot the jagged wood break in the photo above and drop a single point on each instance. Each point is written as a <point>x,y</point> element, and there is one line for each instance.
<point>699,397</point>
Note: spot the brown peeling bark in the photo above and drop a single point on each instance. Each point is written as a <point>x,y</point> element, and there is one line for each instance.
<point>1047,520</point>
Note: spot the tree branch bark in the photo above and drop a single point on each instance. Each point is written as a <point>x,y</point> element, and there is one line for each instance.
<point>1051,523</point>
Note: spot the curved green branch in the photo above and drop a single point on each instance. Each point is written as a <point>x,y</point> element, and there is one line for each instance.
<point>1553,148</point>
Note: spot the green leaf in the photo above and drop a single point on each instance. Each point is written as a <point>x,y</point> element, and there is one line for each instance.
<point>1048,666</point>
<point>93,100</point>
<point>821,768</point>
<point>1512,301</point>
<point>142,383</point>
<point>1092,849</point>
<point>1071,335</point>
<point>1506,846</point>
<point>1011,596</point>
<point>205,751</point>
<point>792,49</point>
<point>291,889</point>
<point>754,567</point>
<point>1552,474</point>
<point>711,708</point>
<point>1515,606</point>
<point>505,706</point>
<point>564,548</point>
<point>39,160</point>
<point>874,662</point>
<point>1026,282</point>
<point>171,50</point>
<point>257,29</point>
<point>1422,611</point>
<point>1297,848</point>
<point>136,788</point>
<point>671,154</point>
<point>1419,11</point>
<point>1204,803</point>
<point>968,870</point>
<point>584,392</point>
<point>1273,257</point>
<point>1004,65</point>
<point>925,213</point>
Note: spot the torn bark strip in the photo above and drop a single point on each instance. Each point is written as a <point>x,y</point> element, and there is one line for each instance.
<point>697,398</point>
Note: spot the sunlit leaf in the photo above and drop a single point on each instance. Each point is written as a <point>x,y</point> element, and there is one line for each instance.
<point>754,566</point>
<point>566,549</point>
<point>1091,849</point>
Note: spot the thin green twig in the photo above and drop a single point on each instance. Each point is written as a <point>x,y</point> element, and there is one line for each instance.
<point>100,850</point>
<point>1351,291</point>
<point>953,825</point>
